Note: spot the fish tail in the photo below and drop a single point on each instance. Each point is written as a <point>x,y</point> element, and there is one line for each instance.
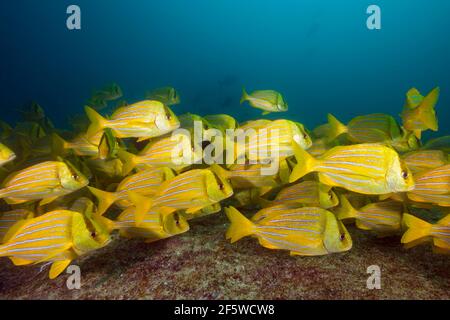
<point>240,226</point>
<point>417,229</point>
<point>97,121</point>
<point>244,96</point>
<point>129,161</point>
<point>336,127</point>
<point>105,199</point>
<point>142,204</point>
<point>345,209</point>
<point>305,163</point>
<point>428,104</point>
<point>59,145</point>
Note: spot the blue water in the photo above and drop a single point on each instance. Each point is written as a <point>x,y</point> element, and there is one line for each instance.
<point>319,54</point>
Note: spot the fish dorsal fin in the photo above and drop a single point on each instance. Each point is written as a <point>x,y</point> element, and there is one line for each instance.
<point>14,230</point>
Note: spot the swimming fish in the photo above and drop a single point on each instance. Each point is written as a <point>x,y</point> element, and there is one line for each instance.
<point>242,176</point>
<point>384,218</point>
<point>143,120</point>
<point>432,186</point>
<point>306,193</point>
<point>420,231</point>
<point>108,93</point>
<point>304,231</point>
<point>266,100</point>
<point>419,112</point>
<point>82,145</point>
<point>423,160</point>
<point>190,191</point>
<point>362,168</point>
<point>167,95</point>
<point>10,218</point>
<point>45,181</point>
<point>6,155</point>
<point>58,237</point>
<point>145,182</point>
<point>221,122</point>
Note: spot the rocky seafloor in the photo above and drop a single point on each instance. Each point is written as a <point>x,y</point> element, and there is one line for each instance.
<point>201,264</point>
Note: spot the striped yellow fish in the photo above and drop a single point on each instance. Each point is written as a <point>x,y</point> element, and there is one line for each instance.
<point>163,152</point>
<point>58,237</point>
<point>10,218</point>
<point>44,181</point>
<point>420,231</point>
<point>152,226</point>
<point>144,120</point>
<point>144,182</point>
<point>266,100</point>
<point>190,191</point>
<point>384,218</point>
<point>362,168</point>
<point>432,186</point>
<point>423,160</point>
<point>242,176</point>
<point>6,155</point>
<point>82,145</point>
<point>308,194</point>
<point>304,231</point>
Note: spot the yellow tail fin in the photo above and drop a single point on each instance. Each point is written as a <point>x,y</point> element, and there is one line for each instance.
<point>142,204</point>
<point>345,209</point>
<point>98,123</point>
<point>105,199</point>
<point>417,229</point>
<point>336,127</point>
<point>429,114</point>
<point>244,96</point>
<point>305,163</point>
<point>240,226</point>
<point>129,161</point>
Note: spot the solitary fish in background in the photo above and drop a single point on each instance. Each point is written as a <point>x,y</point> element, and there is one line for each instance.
<point>422,160</point>
<point>145,182</point>
<point>6,155</point>
<point>306,193</point>
<point>10,218</point>
<point>420,231</point>
<point>304,231</point>
<point>167,95</point>
<point>143,120</point>
<point>432,186</point>
<point>44,181</point>
<point>419,113</point>
<point>58,237</point>
<point>190,191</point>
<point>362,168</point>
<point>267,100</point>
<point>383,218</point>
<point>153,226</point>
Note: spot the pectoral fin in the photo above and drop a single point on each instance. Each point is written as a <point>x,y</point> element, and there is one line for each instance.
<point>58,267</point>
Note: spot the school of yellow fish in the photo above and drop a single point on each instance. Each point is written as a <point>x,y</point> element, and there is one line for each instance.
<point>66,192</point>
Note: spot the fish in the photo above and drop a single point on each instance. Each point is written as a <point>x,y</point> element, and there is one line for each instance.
<point>82,145</point>
<point>362,168</point>
<point>423,160</point>
<point>45,181</point>
<point>6,155</point>
<point>419,231</point>
<point>432,186</point>
<point>108,93</point>
<point>245,198</point>
<point>110,168</point>
<point>153,226</point>
<point>440,143</point>
<point>266,100</point>
<point>58,237</point>
<point>97,103</point>
<point>142,120</point>
<point>383,218</point>
<point>31,131</point>
<point>108,145</point>
<point>145,182</point>
<point>306,231</point>
<point>10,218</point>
<point>222,122</point>
<point>243,176</point>
<point>34,112</point>
<point>167,95</point>
<point>85,206</point>
<point>419,112</point>
<point>306,193</point>
<point>190,191</point>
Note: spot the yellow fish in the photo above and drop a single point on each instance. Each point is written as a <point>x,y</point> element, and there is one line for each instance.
<point>58,237</point>
<point>221,122</point>
<point>83,205</point>
<point>266,100</point>
<point>6,155</point>
<point>362,168</point>
<point>190,191</point>
<point>432,186</point>
<point>383,218</point>
<point>167,95</point>
<point>243,176</point>
<point>82,145</point>
<point>10,218</point>
<point>304,231</point>
<point>308,194</point>
<point>420,115</point>
<point>144,182</point>
<point>423,160</point>
<point>143,120</point>
<point>44,181</point>
<point>420,231</point>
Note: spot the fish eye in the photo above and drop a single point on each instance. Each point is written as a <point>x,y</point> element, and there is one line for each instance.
<point>342,237</point>
<point>330,196</point>
<point>221,186</point>
<point>93,234</point>
<point>405,174</point>
<point>169,116</point>
<point>305,136</point>
<point>75,176</point>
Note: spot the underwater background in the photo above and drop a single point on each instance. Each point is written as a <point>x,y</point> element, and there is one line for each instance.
<point>319,54</point>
